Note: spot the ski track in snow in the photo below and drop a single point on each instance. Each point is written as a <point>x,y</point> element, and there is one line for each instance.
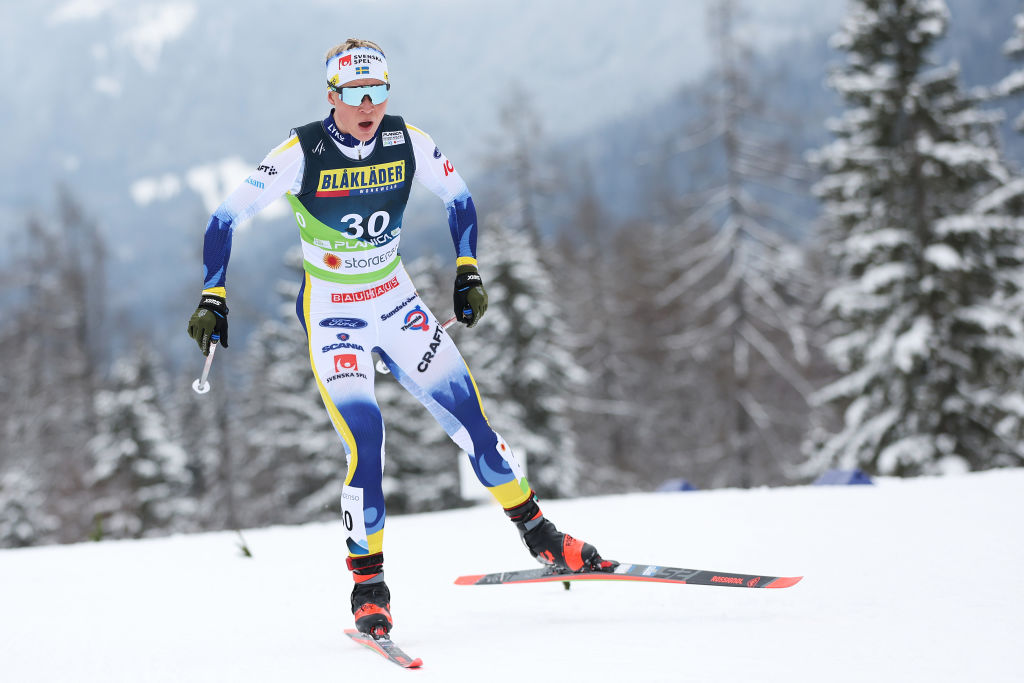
<point>904,581</point>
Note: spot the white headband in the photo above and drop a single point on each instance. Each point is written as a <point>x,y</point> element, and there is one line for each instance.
<point>351,65</point>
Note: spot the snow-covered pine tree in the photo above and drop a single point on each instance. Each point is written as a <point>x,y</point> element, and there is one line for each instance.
<point>520,158</point>
<point>1013,83</point>
<point>53,310</point>
<point>24,519</point>
<point>606,411</point>
<point>293,465</point>
<point>1008,199</point>
<point>208,431</point>
<point>520,362</point>
<point>743,304</point>
<point>139,477</point>
<point>920,330</point>
<point>736,292</point>
<point>666,397</point>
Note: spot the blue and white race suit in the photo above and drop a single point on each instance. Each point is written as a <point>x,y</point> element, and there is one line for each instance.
<point>348,199</point>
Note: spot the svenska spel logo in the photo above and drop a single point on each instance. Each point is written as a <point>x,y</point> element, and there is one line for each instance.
<point>345,361</point>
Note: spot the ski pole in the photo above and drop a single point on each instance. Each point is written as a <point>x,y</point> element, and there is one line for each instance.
<point>201,386</point>
<point>382,367</point>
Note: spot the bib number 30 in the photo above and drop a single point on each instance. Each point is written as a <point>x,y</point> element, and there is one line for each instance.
<point>376,224</point>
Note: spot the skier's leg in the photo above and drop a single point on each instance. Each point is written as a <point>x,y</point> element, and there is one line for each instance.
<point>425,360</point>
<point>340,340</point>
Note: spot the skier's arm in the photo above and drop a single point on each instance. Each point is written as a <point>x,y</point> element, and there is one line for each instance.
<point>435,172</point>
<point>278,173</point>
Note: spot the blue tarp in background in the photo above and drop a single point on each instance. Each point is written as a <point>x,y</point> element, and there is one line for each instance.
<point>676,485</point>
<point>843,478</point>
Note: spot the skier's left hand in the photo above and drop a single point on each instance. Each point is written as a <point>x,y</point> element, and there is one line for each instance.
<point>470,296</point>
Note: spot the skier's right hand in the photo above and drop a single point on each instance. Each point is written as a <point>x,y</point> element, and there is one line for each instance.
<point>209,322</point>
<point>470,295</point>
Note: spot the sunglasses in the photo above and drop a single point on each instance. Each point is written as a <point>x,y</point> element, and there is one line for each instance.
<point>353,95</point>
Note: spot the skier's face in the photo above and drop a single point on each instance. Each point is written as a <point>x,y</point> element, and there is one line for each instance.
<point>360,121</point>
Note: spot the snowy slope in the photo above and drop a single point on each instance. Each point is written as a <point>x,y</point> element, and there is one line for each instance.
<point>905,581</point>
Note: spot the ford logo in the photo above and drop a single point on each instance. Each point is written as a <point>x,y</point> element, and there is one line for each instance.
<point>347,323</point>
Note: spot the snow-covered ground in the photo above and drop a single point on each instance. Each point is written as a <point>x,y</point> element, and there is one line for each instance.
<point>905,581</point>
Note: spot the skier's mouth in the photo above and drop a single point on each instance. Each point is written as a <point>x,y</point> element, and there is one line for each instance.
<point>365,125</point>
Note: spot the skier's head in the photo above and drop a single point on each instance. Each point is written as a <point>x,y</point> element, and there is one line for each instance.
<point>357,86</point>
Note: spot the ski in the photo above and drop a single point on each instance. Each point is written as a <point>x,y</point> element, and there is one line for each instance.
<point>386,648</point>
<point>632,572</point>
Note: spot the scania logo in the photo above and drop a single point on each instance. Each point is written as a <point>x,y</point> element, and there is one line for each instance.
<point>347,323</point>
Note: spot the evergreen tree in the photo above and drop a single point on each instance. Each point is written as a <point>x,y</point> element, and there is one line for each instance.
<point>737,294</point>
<point>139,477</point>
<point>53,308</point>
<point>603,332</point>
<point>24,519</point>
<point>521,364</point>
<point>919,322</point>
<point>663,394</point>
<point>208,431</point>
<point>520,160</point>
<point>1013,83</point>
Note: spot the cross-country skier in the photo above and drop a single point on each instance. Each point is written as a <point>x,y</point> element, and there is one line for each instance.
<point>347,178</point>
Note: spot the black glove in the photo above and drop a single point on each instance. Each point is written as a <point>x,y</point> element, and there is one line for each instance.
<point>209,322</point>
<point>470,297</point>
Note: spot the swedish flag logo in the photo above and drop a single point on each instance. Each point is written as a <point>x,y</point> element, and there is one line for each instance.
<point>363,70</point>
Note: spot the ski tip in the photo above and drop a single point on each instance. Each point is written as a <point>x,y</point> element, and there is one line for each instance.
<point>468,580</point>
<point>784,582</point>
<point>414,664</point>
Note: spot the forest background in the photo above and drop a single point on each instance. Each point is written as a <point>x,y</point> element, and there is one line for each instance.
<point>723,242</point>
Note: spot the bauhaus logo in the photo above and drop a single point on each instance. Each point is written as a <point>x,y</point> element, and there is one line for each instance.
<point>364,295</point>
